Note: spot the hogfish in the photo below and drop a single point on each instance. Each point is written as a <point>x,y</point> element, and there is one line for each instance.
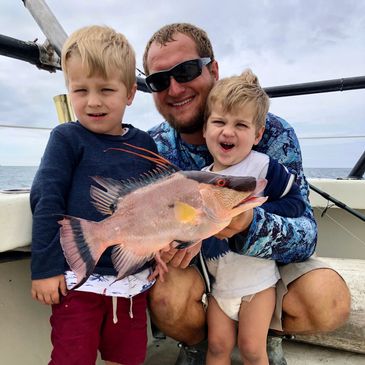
<point>146,215</point>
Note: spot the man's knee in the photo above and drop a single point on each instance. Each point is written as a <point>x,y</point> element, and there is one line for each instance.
<point>175,305</point>
<point>180,290</point>
<point>318,301</point>
<point>163,304</point>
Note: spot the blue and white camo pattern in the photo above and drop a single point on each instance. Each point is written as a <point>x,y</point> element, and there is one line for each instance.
<point>270,236</point>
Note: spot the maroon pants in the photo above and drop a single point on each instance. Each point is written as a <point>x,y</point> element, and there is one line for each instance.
<point>82,324</point>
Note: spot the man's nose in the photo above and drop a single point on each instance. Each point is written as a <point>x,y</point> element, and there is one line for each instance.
<point>175,87</point>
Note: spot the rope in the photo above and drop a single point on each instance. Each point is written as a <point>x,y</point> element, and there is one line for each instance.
<point>325,212</point>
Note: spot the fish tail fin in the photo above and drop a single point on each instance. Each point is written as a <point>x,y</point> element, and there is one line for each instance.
<point>81,250</point>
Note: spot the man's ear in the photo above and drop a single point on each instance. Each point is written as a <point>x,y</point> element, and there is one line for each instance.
<point>214,69</point>
<point>131,94</point>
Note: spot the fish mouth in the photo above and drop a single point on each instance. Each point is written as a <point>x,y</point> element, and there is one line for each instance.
<point>253,198</point>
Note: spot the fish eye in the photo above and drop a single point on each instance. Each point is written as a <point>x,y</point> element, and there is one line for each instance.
<point>221,182</point>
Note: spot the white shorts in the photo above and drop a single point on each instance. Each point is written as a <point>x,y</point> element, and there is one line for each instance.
<point>231,306</point>
<point>288,274</point>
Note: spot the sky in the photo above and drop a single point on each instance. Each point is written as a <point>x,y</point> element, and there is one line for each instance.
<point>282,41</point>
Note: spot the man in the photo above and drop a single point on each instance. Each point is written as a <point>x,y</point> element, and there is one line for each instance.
<point>181,70</point>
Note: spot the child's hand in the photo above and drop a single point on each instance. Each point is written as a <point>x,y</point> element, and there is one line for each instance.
<point>47,291</point>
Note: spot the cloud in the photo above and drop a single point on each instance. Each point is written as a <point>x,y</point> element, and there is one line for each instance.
<point>283,41</point>
<point>20,147</point>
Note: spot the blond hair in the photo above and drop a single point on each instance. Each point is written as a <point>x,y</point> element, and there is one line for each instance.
<point>233,93</point>
<point>102,51</point>
<point>166,34</point>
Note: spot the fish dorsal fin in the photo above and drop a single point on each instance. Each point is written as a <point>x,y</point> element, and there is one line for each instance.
<point>105,200</point>
<point>160,161</point>
<point>185,213</point>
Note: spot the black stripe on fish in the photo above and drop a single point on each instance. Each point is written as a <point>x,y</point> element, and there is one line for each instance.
<point>82,247</point>
<point>183,244</point>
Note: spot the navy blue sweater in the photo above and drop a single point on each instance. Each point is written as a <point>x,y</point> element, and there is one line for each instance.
<point>62,186</point>
<point>284,197</point>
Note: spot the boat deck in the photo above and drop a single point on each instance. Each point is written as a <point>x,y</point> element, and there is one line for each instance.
<point>165,352</point>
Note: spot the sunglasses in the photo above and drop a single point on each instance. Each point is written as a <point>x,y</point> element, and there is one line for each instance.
<point>183,72</point>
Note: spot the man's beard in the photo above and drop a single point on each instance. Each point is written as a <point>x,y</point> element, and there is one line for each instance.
<point>195,124</point>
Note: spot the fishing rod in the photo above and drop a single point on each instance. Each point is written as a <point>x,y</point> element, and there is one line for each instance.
<point>337,202</point>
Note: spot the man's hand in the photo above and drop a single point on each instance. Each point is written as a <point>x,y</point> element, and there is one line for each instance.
<point>47,291</point>
<point>180,258</point>
<point>238,224</point>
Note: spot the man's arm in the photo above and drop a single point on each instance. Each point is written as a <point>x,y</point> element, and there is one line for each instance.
<point>272,236</point>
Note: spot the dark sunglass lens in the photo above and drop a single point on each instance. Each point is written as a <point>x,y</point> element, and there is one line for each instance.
<point>187,71</point>
<point>158,81</point>
<point>184,72</point>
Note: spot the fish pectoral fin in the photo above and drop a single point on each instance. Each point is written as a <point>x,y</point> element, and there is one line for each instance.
<point>178,244</point>
<point>185,213</point>
<point>126,262</point>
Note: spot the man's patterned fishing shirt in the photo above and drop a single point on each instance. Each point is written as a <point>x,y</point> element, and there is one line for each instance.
<point>270,236</point>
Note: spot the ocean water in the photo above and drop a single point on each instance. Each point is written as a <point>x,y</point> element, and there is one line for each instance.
<point>16,177</point>
<point>21,177</point>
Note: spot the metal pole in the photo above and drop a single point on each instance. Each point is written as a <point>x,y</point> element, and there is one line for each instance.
<point>24,51</point>
<point>64,108</point>
<point>48,23</point>
<point>349,83</point>
<point>30,52</point>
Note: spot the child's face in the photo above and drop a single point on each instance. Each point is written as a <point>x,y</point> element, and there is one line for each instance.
<point>99,103</point>
<point>230,136</point>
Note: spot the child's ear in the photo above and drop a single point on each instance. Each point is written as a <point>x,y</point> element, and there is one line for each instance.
<point>131,94</point>
<point>259,135</point>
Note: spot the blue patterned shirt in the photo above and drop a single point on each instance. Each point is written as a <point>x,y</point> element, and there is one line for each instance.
<point>269,236</point>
